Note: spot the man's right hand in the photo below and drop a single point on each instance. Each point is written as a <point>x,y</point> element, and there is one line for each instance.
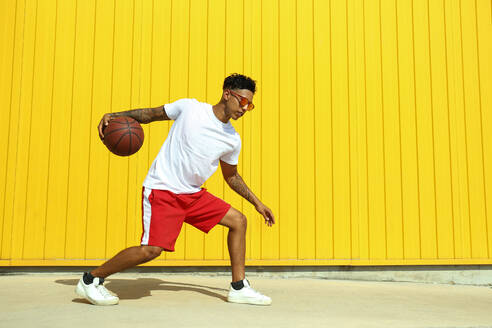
<point>104,122</point>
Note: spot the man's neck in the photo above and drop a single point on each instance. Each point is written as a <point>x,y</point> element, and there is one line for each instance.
<point>219,112</point>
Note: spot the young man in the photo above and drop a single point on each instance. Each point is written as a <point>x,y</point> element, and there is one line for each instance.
<point>201,137</point>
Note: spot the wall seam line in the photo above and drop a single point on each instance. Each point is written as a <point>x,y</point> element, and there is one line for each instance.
<point>433,128</point>
<point>416,131</point>
<point>70,128</point>
<point>50,133</point>
<point>30,127</point>
<point>9,129</point>
<point>89,141</point>
<point>449,128</point>
<point>481,129</point>
<point>465,127</point>
<point>399,129</point>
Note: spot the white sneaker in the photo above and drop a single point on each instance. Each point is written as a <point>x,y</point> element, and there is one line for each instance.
<point>96,293</point>
<point>247,295</point>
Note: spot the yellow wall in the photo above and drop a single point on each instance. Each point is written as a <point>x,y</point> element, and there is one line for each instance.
<point>371,139</point>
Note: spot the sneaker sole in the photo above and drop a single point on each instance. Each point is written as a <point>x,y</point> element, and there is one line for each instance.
<point>80,291</point>
<point>246,301</point>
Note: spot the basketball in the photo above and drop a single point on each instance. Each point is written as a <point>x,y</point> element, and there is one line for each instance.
<point>123,136</point>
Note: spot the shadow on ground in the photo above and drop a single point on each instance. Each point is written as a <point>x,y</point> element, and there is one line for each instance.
<point>130,289</point>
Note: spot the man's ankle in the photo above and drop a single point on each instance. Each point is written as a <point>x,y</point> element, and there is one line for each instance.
<point>237,285</point>
<point>89,278</point>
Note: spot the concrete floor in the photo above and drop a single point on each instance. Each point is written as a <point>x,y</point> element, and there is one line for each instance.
<point>160,300</point>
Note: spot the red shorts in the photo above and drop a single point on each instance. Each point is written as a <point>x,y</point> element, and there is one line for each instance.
<point>164,212</point>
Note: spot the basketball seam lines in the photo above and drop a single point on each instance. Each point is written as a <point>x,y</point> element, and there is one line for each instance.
<point>117,143</point>
<point>136,135</point>
<point>115,130</point>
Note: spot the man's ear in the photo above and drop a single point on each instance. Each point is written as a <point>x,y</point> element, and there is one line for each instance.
<point>226,94</point>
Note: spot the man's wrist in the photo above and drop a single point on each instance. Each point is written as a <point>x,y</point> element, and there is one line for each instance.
<point>113,115</point>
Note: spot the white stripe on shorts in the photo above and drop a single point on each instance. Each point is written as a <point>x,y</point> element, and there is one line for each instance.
<point>146,215</point>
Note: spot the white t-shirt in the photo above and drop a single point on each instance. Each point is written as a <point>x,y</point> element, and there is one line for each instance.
<point>191,152</point>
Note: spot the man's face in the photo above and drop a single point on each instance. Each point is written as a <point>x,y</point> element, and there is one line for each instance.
<point>234,99</point>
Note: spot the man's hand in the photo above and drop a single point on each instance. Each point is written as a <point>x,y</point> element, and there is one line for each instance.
<point>104,122</point>
<point>267,214</point>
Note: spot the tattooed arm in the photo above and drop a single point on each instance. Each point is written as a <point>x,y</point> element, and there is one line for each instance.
<point>236,182</point>
<point>144,115</point>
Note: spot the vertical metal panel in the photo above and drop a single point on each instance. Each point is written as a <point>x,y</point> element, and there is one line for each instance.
<point>391,130</point>
<point>305,132</point>
<point>409,168</point>
<point>39,145</point>
<point>478,223</point>
<point>375,125</point>
<point>81,129</point>
<point>9,48</point>
<point>359,168</point>
<point>424,127</point>
<point>440,119</point>
<point>323,127</point>
<point>483,12</point>
<point>20,186</point>
<point>270,123</point>
<point>341,142</point>
<point>459,165</point>
<point>61,116</point>
<point>370,139</point>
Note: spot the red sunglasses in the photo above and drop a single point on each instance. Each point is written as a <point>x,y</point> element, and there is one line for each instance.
<point>243,101</point>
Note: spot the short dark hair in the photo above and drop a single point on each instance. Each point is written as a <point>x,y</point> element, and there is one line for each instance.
<point>239,81</point>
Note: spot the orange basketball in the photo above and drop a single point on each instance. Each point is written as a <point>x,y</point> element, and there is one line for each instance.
<point>123,136</point>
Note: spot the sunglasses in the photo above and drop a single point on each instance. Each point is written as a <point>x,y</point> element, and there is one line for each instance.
<point>243,101</point>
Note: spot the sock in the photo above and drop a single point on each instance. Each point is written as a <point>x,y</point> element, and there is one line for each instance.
<point>237,285</point>
<point>89,279</point>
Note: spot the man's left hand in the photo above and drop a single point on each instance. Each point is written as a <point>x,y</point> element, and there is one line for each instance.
<point>267,214</point>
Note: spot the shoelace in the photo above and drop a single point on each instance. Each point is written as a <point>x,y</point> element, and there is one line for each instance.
<point>104,292</point>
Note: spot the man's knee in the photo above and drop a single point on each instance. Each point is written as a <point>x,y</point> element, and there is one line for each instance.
<point>234,220</point>
<point>241,222</point>
<point>151,252</point>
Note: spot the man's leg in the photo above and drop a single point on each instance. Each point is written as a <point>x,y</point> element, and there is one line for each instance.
<point>91,287</point>
<point>236,241</point>
<point>240,291</point>
<point>127,258</point>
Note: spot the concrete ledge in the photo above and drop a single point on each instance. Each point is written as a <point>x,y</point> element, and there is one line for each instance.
<point>479,275</point>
